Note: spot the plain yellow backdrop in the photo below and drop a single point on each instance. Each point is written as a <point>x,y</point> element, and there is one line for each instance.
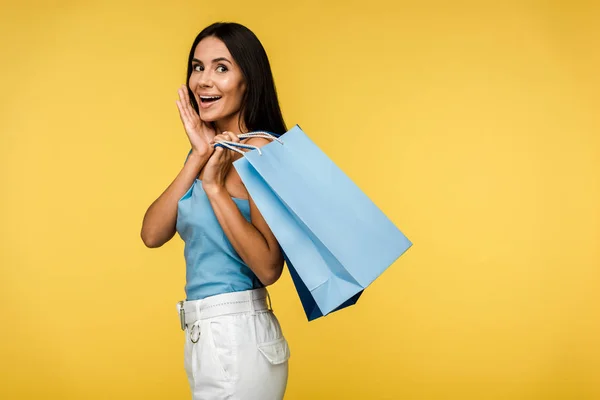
<point>473,125</point>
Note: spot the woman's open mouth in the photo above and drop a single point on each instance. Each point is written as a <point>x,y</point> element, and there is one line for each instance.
<point>207,101</point>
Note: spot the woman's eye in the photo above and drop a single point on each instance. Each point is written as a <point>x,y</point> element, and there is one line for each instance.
<point>221,68</point>
<point>198,68</point>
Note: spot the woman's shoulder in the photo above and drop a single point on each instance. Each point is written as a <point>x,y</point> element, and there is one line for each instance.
<point>256,141</point>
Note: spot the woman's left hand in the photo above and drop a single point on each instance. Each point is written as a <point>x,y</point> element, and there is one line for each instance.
<point>219,164</point>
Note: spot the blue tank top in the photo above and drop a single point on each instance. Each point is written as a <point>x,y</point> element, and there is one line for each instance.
<point>212,265</point>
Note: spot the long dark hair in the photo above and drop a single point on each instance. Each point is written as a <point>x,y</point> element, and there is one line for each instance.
<point>260,105</point>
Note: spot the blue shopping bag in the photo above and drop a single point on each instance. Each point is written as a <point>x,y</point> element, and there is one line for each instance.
<point>335,240</point>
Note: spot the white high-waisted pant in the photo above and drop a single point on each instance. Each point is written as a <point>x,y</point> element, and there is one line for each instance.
<point>234,348</point>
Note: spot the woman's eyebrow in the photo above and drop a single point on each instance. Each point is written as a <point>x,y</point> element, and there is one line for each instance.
<point>216,60</point>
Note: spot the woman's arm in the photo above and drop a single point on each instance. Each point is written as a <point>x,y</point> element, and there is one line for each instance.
<point>253,241</point>
<point>160,219</point>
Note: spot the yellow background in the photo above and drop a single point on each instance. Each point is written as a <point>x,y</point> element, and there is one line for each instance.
<point>473,125</point>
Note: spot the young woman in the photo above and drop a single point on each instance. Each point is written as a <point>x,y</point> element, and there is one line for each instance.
<point>234,346</point>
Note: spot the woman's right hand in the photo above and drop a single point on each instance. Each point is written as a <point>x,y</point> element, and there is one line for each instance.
<point>199,132</point>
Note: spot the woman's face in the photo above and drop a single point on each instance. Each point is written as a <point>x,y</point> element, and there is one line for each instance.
<point>217,83</point>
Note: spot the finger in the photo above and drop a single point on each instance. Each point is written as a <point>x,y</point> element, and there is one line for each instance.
<point>219,153</point>
<point>217,138</point>
<point>181,92</point>
<point>187,97</point>
<point>182,104</point>
<point>227,152</point>
<point>221,136</point>
<point>181,112</point>
<point>233,137</point>
<point>184,90</point>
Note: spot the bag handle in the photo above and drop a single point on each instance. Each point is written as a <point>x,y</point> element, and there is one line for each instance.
<point>261,134</point>
<point>234,145</point>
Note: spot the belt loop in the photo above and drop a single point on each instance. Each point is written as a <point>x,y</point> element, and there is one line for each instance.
<point>181,315</point>
<point>197,305</point>
<point>269,299</point>
<point>251,295</point>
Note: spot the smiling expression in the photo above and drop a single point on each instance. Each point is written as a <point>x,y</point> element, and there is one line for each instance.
<point>217,83</point>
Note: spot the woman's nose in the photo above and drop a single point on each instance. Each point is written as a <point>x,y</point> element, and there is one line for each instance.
<point>205,79</point>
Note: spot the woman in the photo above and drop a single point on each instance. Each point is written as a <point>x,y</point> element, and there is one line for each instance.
<point>234,347</point>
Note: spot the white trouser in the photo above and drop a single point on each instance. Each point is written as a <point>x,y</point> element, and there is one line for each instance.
<point>234,347</point>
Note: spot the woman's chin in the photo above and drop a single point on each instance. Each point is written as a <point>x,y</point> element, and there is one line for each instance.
<point>208,118</point>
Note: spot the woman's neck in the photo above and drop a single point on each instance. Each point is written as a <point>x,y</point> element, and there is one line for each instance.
<point>232,125</point>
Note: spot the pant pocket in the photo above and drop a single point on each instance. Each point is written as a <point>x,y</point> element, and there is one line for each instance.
<point>223,347</point>
<point>276,351</point>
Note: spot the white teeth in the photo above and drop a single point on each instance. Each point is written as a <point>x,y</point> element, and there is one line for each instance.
<point>210,97</point>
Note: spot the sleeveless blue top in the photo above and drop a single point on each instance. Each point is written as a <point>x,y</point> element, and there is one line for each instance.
<point>212,265</point>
